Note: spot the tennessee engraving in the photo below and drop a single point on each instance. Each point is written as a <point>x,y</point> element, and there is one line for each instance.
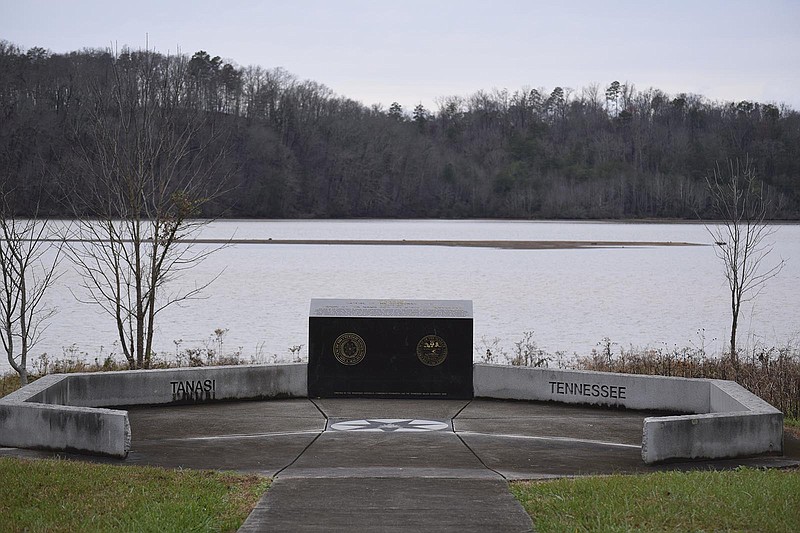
<point>595,390</point>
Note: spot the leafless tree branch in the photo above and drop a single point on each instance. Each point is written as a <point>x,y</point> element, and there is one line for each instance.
<point>742,236</point>
<point>150,165</point>
<point>28,266</point>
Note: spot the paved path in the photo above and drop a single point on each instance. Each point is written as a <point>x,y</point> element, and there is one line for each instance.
<point>395,465</point>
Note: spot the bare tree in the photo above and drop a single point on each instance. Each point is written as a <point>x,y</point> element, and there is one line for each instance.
<point>28,263</point>
<point>150,161</point>
<point>742,236</point>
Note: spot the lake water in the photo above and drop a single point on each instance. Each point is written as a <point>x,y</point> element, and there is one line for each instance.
<point>571,299</point>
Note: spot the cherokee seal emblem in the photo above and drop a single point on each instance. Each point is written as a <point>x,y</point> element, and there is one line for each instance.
<point>349,349</point>
<point>432,350</point>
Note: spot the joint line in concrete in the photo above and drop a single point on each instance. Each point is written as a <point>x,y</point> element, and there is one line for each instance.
<point>299,455</point>
<point>327,421</point>
<point>453,420</point>
<point>559,439</point>
<point>247,436</point>
<point>478,457</point>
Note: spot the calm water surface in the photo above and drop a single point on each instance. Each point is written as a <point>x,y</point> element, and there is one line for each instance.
<point>570,299</point>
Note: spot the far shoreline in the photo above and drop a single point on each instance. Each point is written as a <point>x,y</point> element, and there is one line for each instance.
<point>501,244</point>
<point>666,221</point>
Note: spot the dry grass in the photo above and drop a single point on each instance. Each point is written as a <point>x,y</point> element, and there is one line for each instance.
<point>211,353</point>
<point>771,373</point>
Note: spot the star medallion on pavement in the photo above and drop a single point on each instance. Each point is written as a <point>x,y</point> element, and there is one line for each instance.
<point>388,425</point>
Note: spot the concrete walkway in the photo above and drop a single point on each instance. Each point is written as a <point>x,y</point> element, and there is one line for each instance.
<point>395,465</point>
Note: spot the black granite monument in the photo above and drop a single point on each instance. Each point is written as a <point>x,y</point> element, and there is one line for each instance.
<point>390,349</point>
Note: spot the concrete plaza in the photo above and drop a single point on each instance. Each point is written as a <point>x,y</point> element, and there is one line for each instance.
<point>396,465</point>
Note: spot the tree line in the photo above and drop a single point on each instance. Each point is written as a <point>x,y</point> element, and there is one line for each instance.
<point>271,145</point>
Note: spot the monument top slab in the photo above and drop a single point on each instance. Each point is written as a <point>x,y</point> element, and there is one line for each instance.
<point>390,308</point>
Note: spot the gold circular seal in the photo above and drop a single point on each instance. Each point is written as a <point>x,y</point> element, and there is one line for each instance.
<point>432,350</point>
<point>349,349</point>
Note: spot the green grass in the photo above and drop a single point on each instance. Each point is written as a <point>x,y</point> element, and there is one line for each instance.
<point>792,422</point>
<point>740,500</point>
<point>54,495</point>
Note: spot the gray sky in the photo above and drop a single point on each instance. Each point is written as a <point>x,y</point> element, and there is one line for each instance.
<point>415,51</point>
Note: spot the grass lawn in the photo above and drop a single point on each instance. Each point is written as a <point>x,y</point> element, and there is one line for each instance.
<point>53,495</point>
<point>740,500</point>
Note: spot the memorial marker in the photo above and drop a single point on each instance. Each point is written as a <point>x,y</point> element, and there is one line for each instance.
<point>390,348</point>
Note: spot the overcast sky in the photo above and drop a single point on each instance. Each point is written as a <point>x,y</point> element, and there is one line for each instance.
<point>415,51</point>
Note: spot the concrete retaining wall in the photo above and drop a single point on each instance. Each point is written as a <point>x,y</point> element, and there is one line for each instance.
<point>724,419</point>
<point>61,412</point>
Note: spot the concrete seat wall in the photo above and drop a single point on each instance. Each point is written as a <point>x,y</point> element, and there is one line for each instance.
<point>65,428</point>
<point>740,424</point>
<point>711,436</point>
<point>62,411</point>
<point>722,419</point>
<point>182,385</point>
<point>727,396</point>
<point>632,391</point>
<point>45,386</point>
<point>716,418</point>
<point>27,421</point>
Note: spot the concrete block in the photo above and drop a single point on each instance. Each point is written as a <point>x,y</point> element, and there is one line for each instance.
<point>46,386</point>
<point>64,428</point>
<point>711,436</point>
<point>729,396</point>
<point>740,424</point>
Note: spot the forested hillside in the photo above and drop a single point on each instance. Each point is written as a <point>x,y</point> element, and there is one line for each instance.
<point>290,148</point>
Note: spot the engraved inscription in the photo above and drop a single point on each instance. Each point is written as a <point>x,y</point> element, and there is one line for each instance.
<point>432,350</point>
<point>392,308</point>
<point>429,312</point>
<point>596,390</point>
<point>349,349</point>
<point>194,390</point>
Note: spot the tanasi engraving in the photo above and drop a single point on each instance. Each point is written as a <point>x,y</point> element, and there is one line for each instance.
<point>196,389</point>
